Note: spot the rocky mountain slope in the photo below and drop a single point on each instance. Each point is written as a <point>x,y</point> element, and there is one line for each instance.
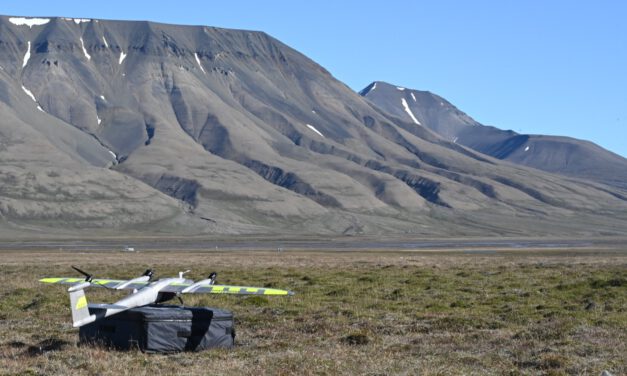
<point>562,155</point>
<point>111,127</point>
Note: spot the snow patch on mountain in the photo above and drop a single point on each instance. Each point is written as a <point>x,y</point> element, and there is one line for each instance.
<point>30,22</point>
<point>314,129</point>
<point>198,61</point>
<point>32,96</point>
<point>81,20</point>
<point>29,93</point>
<point>26,56</point>
<point>413,97</point>
<point>411,114</point>
<point>122,57</point>
<point>105,41</point>
<point>84,49</point>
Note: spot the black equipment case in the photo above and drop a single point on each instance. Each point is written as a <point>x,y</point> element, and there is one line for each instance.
<point>162,328</point>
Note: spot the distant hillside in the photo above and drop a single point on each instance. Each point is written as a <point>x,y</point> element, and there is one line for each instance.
<point>561,155</point>
<point>122,128</point>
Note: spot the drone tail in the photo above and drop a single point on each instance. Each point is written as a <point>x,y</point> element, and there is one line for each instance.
<point>80,309</point>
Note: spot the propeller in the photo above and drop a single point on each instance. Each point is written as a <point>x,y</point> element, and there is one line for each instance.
<point>82,285</point>
<point>88,277</point>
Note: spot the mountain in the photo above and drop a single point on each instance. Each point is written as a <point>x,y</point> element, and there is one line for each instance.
<point>126,128</point>
<point>561,155</point>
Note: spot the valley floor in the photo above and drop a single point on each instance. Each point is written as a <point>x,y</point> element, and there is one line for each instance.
<point>476,311</point>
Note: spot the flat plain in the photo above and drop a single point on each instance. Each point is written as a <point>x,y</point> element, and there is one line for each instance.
<point>440,312</point>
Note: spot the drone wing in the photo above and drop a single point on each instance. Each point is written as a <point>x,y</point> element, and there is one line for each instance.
<point>107,283</point>
<point>175,287</point>
<point>207,288</point>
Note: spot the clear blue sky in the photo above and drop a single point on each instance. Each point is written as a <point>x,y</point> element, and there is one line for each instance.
<point>548,67</point>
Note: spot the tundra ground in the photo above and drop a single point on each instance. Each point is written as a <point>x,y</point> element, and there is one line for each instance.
<point>370,312</point>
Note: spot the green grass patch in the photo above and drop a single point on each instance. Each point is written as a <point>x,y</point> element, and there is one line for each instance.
<point>371,313</point>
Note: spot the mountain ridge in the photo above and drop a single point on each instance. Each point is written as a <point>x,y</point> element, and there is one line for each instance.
<point>560,154</point>
<point>140,126</point>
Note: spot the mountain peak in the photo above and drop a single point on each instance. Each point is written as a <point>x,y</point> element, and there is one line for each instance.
<point>381,85</point>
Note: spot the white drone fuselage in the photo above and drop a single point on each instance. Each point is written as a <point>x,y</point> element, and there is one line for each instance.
<point>146,295</point>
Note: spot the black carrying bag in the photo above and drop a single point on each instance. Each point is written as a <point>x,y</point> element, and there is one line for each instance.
<point>162,329</point>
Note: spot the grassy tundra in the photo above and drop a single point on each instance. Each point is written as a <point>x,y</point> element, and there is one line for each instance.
<point>354,313</point>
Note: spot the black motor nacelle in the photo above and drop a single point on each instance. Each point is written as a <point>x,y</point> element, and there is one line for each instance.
<point>149,273</point>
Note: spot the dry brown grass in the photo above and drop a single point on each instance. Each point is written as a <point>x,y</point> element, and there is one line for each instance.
<point>431,313</point>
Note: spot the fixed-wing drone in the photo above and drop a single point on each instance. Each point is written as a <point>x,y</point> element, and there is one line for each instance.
<point>144,291</point>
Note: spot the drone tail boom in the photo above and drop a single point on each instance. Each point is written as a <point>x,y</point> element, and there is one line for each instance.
<point>80,309</point>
